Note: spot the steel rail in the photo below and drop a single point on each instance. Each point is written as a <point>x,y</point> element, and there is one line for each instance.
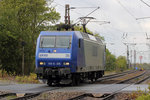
<point>81,96</point>
<point>124,81</point>
<point>26,97</point>
<point>115,75</point>
<point>109,96</point>
<point>144,79</point>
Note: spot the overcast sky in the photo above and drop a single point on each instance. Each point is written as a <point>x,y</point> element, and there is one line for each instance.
<point>122,15</point>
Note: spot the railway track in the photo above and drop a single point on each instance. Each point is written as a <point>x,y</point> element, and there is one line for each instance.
<point>106,78</point>
<point>111,95</point>
<point>80,97</point>
<point>26,96</point>
<point>33,95</point>
<point>115,75</point>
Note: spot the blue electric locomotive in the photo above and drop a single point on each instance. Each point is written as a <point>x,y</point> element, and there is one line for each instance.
<point>69,56</point>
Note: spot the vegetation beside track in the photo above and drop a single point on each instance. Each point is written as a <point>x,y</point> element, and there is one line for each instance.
<point>27,79</point>
<point>137,95</point>
<point>144,95</point>
<point>18,79</point>
<point>20,24</point>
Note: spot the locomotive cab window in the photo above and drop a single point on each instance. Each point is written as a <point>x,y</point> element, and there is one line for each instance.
<point>55,42</point>
<point>47,42</point>
<point>63,41</point>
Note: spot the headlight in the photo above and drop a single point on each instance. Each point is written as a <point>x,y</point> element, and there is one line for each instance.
<point>54,50</point>
<point>41,63</point>
<point>66,63</point>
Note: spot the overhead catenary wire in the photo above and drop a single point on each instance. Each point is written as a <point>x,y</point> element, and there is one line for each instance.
<point>129,13</point>
<point>81,18</point>
<point>147,6</point>
<point>145,3</point>
<point>88,15</point>
<point>125,9</point>
<point>71,8</point>
<point>81,7</point>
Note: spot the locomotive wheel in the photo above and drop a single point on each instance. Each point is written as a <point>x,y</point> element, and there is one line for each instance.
<point>75,80</point>
<point>93,77</point>
<point>49,82</point>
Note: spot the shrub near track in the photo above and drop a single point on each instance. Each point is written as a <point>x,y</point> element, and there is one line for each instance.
<point>19,79</point>
<point>145,95</point>
<point>27,79</point>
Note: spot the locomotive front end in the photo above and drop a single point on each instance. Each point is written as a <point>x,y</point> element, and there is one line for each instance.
<point>54,56</point>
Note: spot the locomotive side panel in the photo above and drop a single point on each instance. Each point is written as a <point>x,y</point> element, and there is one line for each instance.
<point>93,56</point>
<point>103,50</point>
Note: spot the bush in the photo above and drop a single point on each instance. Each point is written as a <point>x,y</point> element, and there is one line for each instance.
<point>27,79</point>
<point>144,97</point>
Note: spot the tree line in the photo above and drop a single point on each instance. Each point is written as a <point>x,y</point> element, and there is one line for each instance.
<point>20,24</point>
<point>115,63</point>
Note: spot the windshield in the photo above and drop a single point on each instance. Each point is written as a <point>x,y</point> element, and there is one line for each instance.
<point>47,41</point>
<point>63,41</point>
<point>55,42</point>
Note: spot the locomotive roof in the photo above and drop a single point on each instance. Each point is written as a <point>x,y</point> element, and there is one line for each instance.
<point>84,35</point>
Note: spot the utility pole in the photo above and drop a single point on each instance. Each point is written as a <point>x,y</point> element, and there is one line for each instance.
<point>83,19</point>
<point>67,14</point>
<point>128,61</point>
<point>134,59</point>
<point>148,43</point>
<point>134,53</point>
<point>130,58</point>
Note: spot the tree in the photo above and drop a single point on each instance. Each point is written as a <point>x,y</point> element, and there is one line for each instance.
<point>121,63</point>
<point>110,61</point>
<point>102,38</point>
<point>20,22</point>
<point>80,28</point>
